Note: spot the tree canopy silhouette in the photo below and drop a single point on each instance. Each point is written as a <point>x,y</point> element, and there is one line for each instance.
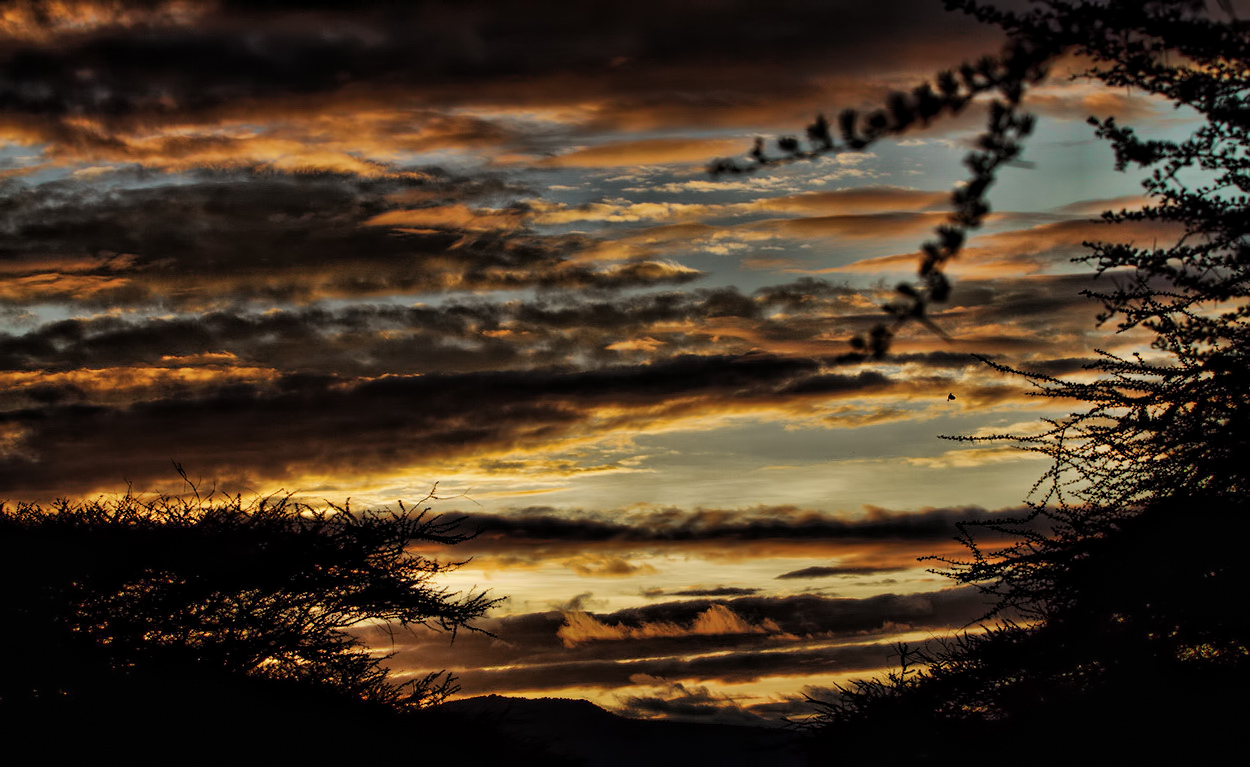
<point>1164,428</point>
<point>1117,595</point>
<point>126,607</point>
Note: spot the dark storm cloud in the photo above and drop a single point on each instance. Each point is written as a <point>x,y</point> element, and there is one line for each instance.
<point>805,295</point>
<point>360,340</point>
<point>1051,301</point>
<point>535,526</point>
<point>808,614</point>
<point>320,423</point>
<point>554,328</point>
<point>1034,297</point>
<point>679,702</point>
<point>1027,320</point>
<point>720,591</point>
<point>534,637</point>
<point>696,703</point>
<point>257,51</point>
<point>1058,367</point>
<point>270,236</point>
<point>879,542</point>
<point>1041,243</point>
<point>835,383</point>
<point>829,572</point>
<point>812,634</point>
<point>939,359</point>
<point>732,667</point>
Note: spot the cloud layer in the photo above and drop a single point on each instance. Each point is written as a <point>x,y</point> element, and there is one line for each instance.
<point>354,249</point>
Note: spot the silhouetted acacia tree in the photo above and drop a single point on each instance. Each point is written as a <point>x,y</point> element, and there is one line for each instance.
<point>1120,589</point>
<point>102,596</point>
<point>1163,430</point>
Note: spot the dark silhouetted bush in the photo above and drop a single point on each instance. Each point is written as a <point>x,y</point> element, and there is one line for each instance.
<point>155,620</point>
<point>1120,632</point>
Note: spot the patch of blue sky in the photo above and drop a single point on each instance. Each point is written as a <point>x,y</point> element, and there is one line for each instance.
<point>15,156</point>
<point>18,320</point>
<point>98,176</point>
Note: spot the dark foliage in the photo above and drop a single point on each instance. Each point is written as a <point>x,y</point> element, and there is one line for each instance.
<point>1140,656</point>
<point>1119,629</point>
<point>159,613</point>
<point>1003,80</point>
<point>1168,429</point>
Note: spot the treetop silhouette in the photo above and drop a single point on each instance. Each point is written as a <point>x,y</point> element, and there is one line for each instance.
<point>1119,589</point>
<point>103,593</point>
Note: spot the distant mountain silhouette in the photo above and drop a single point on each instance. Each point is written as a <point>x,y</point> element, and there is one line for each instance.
<point>587,735</point>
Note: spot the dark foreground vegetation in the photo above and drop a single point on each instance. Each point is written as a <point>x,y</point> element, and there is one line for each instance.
<point>1139,655</point>
<point>210,626</point>
<point>1127,637</point>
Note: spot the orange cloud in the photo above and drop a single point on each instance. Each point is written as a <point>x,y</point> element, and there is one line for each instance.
<point>1041,247</point>
<point>209,141</point>
<point>121,386</point>
<point>436,77</point>
<point>857,201</point>
<point>362,131</point>
<point>548,213</point>
<point>44,20</point>
<point>1080,100</point>
<point>716,620</point>
<point>607,567</point>
<point>861,226</point>
<point>644,344</point>
<point>1026,251</point>
<point>965,458</point>
<point>12,439</point>
<point>55,286</point>
<point>456,216</point>
<point>1095,208</point>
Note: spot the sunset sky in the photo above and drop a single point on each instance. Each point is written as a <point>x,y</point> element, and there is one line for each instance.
<point>351,250</point>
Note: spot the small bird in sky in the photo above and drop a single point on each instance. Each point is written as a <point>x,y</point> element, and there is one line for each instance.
<point>950,397</point>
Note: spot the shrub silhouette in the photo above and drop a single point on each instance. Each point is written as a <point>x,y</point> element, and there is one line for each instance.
<point>1118,596</point>
<point>165,615</point>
